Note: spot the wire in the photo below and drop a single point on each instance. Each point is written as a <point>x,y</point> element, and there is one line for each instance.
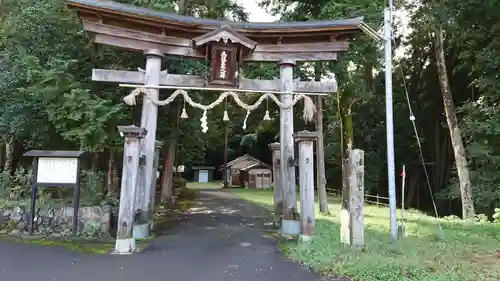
<point>412,119</point>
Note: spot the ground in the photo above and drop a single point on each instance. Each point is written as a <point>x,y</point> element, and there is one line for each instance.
<point>221,238</point>
<point>224,237</point>
<point>469,251</point>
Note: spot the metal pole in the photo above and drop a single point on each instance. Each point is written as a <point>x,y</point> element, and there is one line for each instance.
<point>390,122</point>
<point>226,132</point>
<point>403,182</point>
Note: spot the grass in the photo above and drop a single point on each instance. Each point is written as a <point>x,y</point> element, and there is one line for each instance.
<point>468,252</point>
<point>77,245</point>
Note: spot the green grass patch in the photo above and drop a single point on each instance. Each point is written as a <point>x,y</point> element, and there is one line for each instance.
<point>468,252</point>
<point>77,245</point>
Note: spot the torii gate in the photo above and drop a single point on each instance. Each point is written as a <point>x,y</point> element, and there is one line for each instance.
<point>228,45</point>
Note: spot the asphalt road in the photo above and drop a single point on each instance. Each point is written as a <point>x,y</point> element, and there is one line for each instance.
<point>223,238</point>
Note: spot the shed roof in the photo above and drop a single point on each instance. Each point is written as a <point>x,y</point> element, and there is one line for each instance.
<point>257,165</point>
<point>239,159</point>
<point>54,153</point>
<point>203,168</point>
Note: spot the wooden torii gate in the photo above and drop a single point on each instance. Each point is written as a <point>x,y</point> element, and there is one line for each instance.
<point>227,45</point>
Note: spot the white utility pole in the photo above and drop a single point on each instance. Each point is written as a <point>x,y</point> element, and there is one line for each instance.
<point>391,170</point>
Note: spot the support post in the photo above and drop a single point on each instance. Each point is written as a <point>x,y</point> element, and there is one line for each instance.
<point>278,198</point>
<point>286,140</point>
<point>158,145</point>
<point>226,135</point>
<point>306,141</point>
<point>356,200</point>
<point>125,242</point>
<point>389,123</point>
<point>148,121</point>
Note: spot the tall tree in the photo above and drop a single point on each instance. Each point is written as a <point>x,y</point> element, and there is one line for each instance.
<point>320,147</point>
<point>455,133</point>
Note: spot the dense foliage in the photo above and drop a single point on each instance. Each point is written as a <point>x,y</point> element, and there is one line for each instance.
<point>48,101</point>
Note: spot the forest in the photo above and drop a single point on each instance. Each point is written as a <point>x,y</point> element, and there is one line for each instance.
<point>48,100</point>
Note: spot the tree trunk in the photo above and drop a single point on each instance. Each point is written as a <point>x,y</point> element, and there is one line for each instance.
<point>166,179</point>
<point>456,138</point>
<point>346,144</point>
<point>183,6</point>
<point>168,163</point>
<point>95,163</point>
<point>9,153</point>
<point>320,149</point>
<point>2,156</point>
<point>111,182</point>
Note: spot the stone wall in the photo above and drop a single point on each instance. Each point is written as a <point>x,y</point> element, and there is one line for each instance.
<point>58,222</point>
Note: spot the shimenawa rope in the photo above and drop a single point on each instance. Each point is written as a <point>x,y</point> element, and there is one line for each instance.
<point>308,113</point>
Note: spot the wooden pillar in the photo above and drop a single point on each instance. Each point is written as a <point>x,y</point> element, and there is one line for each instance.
<point>356,197</point>
<point>306,181</point>
<point>286,140</point>
<point>278,197</point>
<point>148,121</point>
<point>125,243</point>
<point>158,145</point>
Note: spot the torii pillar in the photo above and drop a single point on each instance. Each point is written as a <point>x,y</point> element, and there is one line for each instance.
<point>147,172</point>
<point>288,180</point>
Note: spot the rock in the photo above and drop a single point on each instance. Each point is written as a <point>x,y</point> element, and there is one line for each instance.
<point>6,213</point>
<point>42,212</point>
<point>15,216</point>
<point>15,232</point>
<point>57,222</point>
<point>21,225</point>
<point>51,213</point>
<point>25,218</point>
<point>46,221</point>
<point>44,230</point>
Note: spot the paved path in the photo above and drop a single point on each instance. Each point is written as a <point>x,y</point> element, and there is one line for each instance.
<point>223,238</point>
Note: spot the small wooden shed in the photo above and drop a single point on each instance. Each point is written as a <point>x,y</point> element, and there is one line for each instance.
<point>257,176</point>
<point>238,177</point>
<point>203,173</point>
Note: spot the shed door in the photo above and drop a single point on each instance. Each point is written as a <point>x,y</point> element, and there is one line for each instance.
<point>235,178</point>
<point>203,176</point>
<point>252,182</point>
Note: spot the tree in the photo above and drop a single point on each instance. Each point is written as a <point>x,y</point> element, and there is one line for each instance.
<point>455,133</point>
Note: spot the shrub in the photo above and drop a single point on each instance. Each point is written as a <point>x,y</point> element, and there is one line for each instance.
<point>178,182</point>
<point>496,215</point>
<point>187,194</point>
<point>16,186</point>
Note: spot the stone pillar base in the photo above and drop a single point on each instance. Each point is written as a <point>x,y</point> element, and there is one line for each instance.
<point>124,246</point>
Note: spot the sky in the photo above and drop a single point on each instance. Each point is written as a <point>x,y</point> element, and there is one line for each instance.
<point>256,14</point>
